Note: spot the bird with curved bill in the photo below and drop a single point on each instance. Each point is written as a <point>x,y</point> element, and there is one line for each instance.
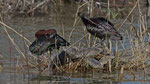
<point>100,27</point>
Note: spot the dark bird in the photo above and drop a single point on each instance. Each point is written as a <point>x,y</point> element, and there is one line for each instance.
<point>100,27</point>
<point>47,40</point>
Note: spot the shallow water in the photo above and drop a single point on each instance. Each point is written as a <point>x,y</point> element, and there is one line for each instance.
<point>63,23</point>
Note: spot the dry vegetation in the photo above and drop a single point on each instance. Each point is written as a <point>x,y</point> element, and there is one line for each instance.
<point>134,57</point>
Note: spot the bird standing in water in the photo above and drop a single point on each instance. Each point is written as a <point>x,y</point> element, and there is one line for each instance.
<point>47,40</point>
<point>100,27</point>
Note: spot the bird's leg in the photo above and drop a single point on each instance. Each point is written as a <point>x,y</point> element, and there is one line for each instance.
<point>101,44</point>
<point>105,46</point>
<point>49,63</point>
<point>39,67</point>
<point>108,44</point>
<point>50,53</point>
<point>102,41</point>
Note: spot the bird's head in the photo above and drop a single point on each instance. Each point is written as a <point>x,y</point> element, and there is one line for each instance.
<point>80,14</point>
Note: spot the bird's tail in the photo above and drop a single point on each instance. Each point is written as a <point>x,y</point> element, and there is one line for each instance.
<point>116,36</point>
<point>61,42</point>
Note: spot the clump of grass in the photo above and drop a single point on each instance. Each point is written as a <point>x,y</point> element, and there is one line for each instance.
<point>26,7</point>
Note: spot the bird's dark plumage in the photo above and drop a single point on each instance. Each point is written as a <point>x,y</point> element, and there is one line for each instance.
<point>47,40</point>
<point>100,27</point>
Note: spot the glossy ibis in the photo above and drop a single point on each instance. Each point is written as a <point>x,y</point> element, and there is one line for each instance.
<point>100,27</point>
<point>46,40</point>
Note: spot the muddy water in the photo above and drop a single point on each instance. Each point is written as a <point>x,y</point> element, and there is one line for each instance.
<point>63,22</point>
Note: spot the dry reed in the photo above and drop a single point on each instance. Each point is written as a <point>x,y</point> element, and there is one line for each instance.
<point>133,57</point>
